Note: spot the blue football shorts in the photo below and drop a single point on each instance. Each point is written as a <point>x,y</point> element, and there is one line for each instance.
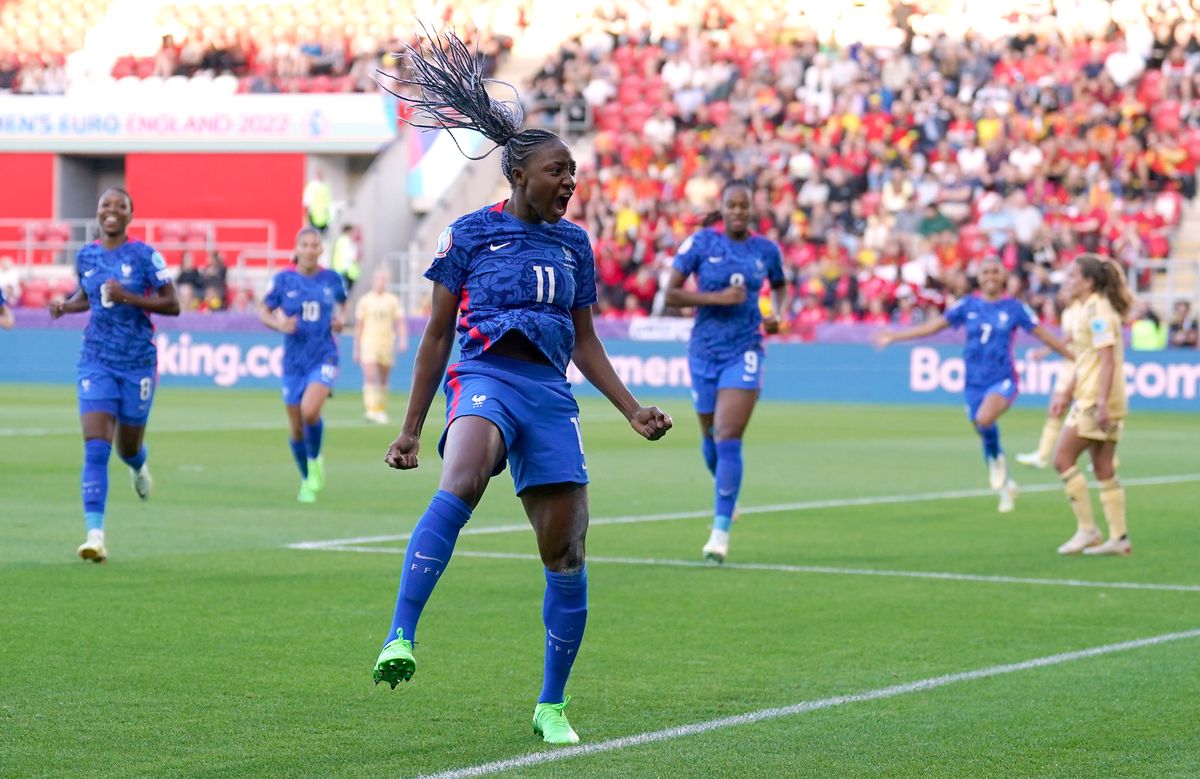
<point>1006,389</point>
<point>745,371</point>
<point>125,394</point>
<point>533,408</point>
<point>294,384</point>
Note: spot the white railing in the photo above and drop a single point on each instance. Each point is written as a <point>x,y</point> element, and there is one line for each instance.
<point>1162,283</point>
<point>39,242</point>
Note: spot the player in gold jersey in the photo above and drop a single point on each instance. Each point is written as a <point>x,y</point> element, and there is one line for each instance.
<point>379,332</point>
<point>1099,404</point>
<point>1040,457</point>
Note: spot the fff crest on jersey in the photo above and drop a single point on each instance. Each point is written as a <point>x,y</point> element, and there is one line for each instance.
<point>126,270</point>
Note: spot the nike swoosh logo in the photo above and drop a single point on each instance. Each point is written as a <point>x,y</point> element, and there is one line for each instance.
<point>496,246</point>
<point>89,273</point>
<point>725,494</point>
<point>420,556</point>
<point>715,259</point>
<point>556,638</point>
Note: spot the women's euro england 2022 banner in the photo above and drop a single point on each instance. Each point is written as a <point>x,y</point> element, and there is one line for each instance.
<point>228,350</point>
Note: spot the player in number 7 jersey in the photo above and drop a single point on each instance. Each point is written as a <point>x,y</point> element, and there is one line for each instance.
<point>991,318</point>
<point>305,303</point>
<point>121,282</point>
<point>517,282</point>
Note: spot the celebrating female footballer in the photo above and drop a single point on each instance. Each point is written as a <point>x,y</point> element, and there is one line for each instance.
<point>305,304</point>
<point>121,282</point>
<point>518,283</point>
<point>991,317</point>
<point>725,355</point>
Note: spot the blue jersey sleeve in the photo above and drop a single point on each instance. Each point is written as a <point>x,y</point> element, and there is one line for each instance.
<point>451,263</point>
<point>340,289</point>
<point>775,265</point>
<point>687,258</point>
<point>956,315</point>
<point>585,277</point>
<point>1025,317</point>
<point>155,267</point>
<point>274,297</point>
<point>1,298</point>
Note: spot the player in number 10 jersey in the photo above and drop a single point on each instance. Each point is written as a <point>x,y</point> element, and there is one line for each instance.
<point>726,355</point>
<point>991,318</point>
<point>305,304</point>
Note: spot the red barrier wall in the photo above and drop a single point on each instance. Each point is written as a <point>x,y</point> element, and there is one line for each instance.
<point>26,186</point>
<point>220,186</point>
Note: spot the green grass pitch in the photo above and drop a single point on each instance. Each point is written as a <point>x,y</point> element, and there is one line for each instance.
<point>207,647</point>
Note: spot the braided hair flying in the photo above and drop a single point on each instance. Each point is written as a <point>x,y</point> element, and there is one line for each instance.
<point>453,95</point>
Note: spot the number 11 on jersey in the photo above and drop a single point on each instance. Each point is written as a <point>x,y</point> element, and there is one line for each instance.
<point>544,282</point>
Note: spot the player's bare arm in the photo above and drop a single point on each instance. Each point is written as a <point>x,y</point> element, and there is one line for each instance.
<point>433,354</point>
<point>592,360</point>
<point>678,297</point>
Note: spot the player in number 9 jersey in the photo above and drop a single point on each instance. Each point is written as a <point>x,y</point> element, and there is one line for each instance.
<point>517,283</point>
<point>991,319</point>
<point>305,304</point>
<point>121,282</point>
<point>725,355</point>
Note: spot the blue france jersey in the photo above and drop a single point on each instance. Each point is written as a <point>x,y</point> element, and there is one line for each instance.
<point>311,300</point>
<point>119,335</point>
<point>511,275</point>
<point>717,261</point>
<point>991,329</point>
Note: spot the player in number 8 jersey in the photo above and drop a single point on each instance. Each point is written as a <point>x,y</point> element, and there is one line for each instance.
<point>121,282</point>
<point>991,318</point>
<point>725,355</point>
<point>517,282</point>
<point>305,304</point>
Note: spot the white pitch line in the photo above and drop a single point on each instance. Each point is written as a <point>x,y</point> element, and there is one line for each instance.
<point>762,715</point>
<point>809,505</point>
<point>19,432</point>
<point>817,569</point>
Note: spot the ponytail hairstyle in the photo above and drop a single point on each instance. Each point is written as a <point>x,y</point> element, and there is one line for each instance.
<point>1108,279</point>
<point>452,94</point>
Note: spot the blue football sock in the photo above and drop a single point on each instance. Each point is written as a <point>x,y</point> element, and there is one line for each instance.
<point>137,461</point>
<point>427,556</point>
<point>729,481</point>
<point>312,438</point>
<point>991,441</point>
<point>300,455</point>
<point>94,482</point>
<point>709,448</point>
<point>564,612</point>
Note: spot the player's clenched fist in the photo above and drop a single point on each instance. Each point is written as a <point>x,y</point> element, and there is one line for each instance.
<point>402,454</point>
<point>651,422</point>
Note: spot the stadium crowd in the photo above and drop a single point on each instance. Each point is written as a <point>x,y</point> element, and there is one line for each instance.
<point>885,172</point>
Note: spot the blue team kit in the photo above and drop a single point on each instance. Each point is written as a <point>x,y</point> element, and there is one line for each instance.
<point>310,355</point>
<point>988,354</point>
<point>118,363</point>
<point>726,349</point>
<point>511,275</point>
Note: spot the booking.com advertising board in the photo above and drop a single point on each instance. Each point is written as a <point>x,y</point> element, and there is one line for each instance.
<point>195,355</point>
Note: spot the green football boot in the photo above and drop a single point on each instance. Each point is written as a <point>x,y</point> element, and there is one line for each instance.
<point>550,722</point>
<point>316,474</point>
<point>306,494</point>
<point>395,663</point>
